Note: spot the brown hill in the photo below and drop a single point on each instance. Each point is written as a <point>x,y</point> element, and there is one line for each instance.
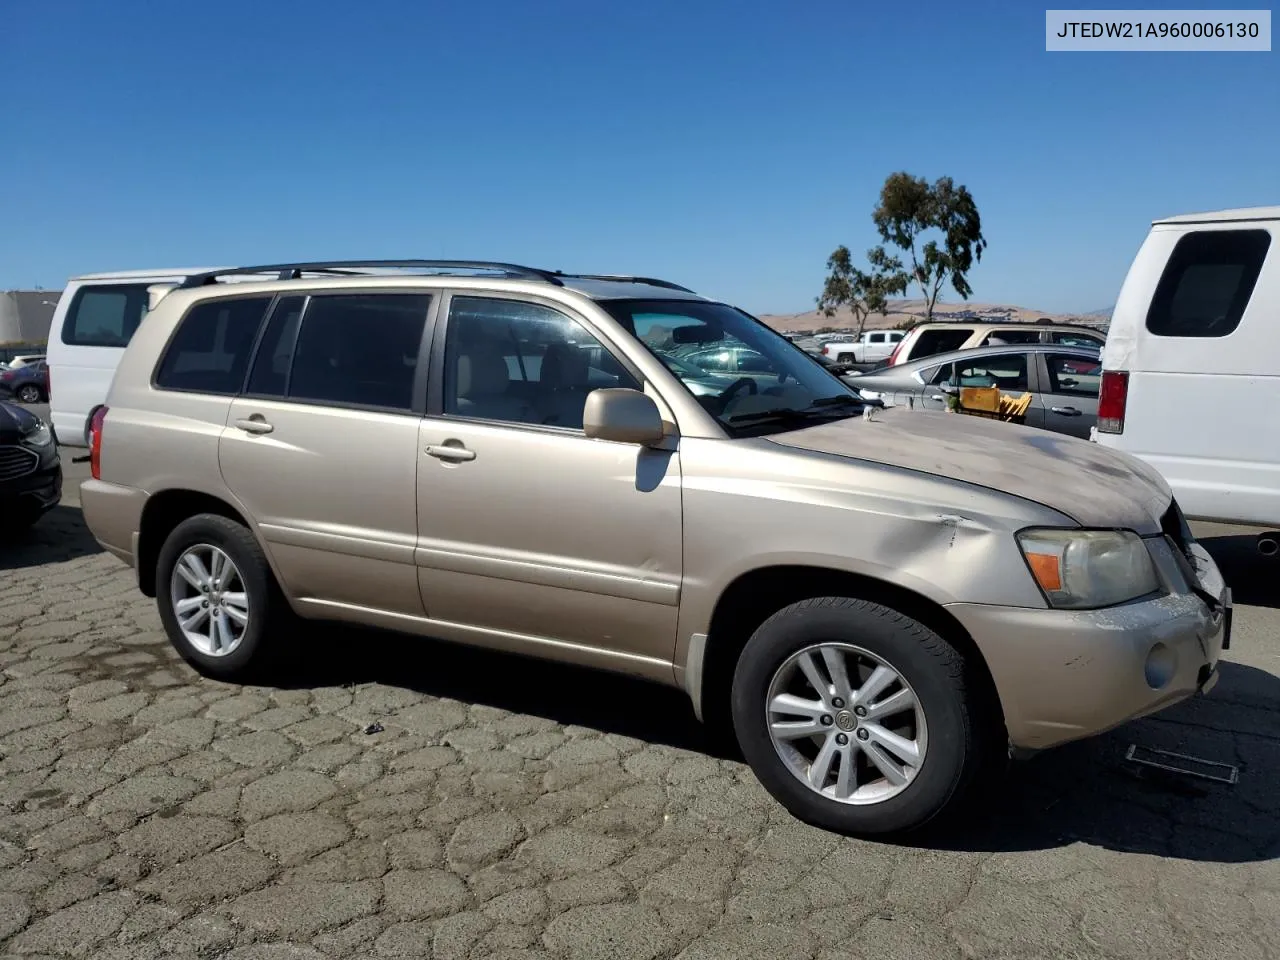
<point>902,312</point>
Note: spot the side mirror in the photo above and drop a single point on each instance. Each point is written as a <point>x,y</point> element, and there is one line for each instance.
<point>622,415</point>
<point>950,389</point>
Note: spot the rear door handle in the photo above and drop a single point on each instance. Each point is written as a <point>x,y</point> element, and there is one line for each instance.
<point>1066,411</point>
<point>454,453</point>
<point>256,424</point>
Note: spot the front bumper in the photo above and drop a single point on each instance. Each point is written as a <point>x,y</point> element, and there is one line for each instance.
<point>39,491</point>
<point>1067,674</point>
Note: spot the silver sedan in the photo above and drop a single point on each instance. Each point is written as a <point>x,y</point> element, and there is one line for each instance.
<point>1063,381</point>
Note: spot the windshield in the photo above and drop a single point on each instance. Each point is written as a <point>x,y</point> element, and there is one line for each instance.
<point>750,378</point>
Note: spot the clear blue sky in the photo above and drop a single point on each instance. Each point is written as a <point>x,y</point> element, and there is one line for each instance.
<point>728,146</point>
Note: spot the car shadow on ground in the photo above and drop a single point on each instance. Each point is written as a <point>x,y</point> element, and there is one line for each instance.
<point>1251,576</point>
<point>1080,793</point>
<point>58,536</point>
<point>1084,792</point>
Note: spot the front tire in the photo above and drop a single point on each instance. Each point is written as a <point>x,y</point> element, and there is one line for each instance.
<point>218,599</point>
<point>856,718</point>
<point>29,393</point>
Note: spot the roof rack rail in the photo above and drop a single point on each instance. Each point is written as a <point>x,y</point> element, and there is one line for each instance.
<point>294,271</point>
<point>620,278</point>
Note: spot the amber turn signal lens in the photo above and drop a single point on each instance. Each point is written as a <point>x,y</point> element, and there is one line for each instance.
<point>1046,568</point>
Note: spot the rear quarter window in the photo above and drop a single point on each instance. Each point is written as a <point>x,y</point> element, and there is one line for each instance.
<point>210,350</point>
<point>104,315</point>
<point>1207,283</point>
<point>932,342</point>
<point>1078,339</point>
<point>1010,336</point>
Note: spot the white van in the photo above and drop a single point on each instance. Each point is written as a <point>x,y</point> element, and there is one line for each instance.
<point>93,323</point>
<point>1191,367</point>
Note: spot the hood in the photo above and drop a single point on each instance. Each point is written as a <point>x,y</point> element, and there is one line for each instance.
<point>1095,486</point>
<point>15,423</point>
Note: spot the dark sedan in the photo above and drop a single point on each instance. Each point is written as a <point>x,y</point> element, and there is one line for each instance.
<point>1063,381</point>
<point>30,469</point>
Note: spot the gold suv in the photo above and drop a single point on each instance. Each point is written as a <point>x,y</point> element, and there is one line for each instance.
<point>877,600</point>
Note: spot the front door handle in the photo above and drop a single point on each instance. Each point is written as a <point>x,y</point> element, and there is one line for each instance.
<point>1066,411</point>
<point>453,452</point>
<point>256,424</point>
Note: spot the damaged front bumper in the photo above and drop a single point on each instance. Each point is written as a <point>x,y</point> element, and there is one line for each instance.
<point>1064,675</point>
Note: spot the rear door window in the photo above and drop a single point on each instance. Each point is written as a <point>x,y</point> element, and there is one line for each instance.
<point>1207,283</point>
<point>1074,376</point>
<point>270,375</point>
<point>1007,371</point>
<point>932,342</point>
<point>210,351</point>
<point>105,315</point>
<point>359,350</point>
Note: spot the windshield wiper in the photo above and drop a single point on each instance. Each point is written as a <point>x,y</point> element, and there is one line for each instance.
<point>838,400</point>
<point>819,408</point>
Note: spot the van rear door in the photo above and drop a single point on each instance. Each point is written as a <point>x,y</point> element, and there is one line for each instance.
<point>1194,328</point>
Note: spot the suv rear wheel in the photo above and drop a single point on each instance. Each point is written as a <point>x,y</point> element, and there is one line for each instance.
<point>217,597</point>
<point>855,717</point>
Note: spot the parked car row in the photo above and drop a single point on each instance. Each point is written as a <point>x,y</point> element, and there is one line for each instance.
<point>893,347</point>
<point>1064,382</point>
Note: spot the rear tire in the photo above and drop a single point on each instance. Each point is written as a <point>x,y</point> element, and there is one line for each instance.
<point>219,600</point>
<point>894,693</point>
<point>30,393</point>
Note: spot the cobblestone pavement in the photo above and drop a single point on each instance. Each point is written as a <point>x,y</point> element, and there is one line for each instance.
<point>511,810</point>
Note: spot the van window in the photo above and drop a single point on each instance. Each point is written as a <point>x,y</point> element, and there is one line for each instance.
<point>105,315</point>
<point>210,351</point>
<point>1207,283</point>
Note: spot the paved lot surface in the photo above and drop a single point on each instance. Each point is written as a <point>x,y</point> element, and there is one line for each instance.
<point>510,810</point>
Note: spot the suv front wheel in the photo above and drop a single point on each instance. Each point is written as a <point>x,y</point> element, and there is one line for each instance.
<point>217,597</point>
<point>855,717</point>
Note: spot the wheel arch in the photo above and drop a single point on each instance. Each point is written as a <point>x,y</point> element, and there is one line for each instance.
<point>163,512</point>
<point>757,594</point>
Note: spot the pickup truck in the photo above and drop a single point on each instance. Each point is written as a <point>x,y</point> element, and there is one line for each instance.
<point>872,347</point>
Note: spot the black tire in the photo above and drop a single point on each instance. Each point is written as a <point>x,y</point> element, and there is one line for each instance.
<point>958,741</point>
<point>30,393</point>
<point>267,632</point>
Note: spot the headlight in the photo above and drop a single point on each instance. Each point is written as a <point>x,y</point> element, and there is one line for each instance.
<point>1087,569</point>
<point>870,394</point>
<point>40,436</point>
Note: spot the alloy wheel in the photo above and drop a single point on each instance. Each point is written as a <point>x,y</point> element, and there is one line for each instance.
<point>846,723</point>
<point>209,600</point>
